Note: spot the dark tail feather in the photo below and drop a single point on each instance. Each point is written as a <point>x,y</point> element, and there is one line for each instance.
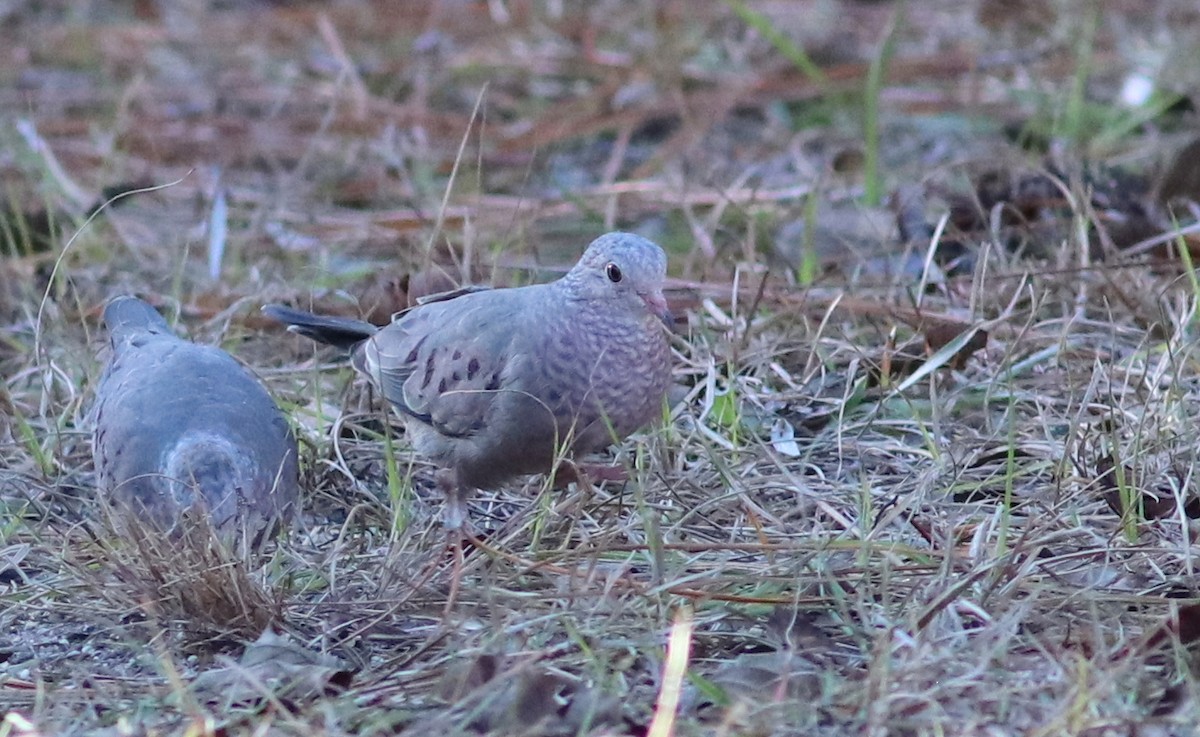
<point>342,332</point>
<point>127,315</point>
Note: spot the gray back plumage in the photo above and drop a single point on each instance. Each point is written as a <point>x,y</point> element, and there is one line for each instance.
<point>184,428</point>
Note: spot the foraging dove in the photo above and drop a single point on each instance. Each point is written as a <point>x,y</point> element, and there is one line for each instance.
<point>492,384</point>
<point>185,429</point>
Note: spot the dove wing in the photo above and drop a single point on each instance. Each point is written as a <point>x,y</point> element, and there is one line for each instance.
<point>444,363</point>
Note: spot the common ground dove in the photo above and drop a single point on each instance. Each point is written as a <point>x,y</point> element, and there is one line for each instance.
<point>492,384</point>
<point>184,429</point>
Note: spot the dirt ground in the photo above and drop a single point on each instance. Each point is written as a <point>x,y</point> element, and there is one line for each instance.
<point>930,463</point>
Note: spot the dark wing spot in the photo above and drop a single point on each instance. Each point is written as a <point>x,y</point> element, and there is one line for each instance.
<point>493,383</point>
<point>457,354</point>
<point>456,377</point>
<point>416,351</point>
<point>442,386</point>
<point>428,369</point>
<point>472,368</point>
<point>553,396</point>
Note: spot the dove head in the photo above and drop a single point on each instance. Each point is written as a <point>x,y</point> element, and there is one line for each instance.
<point>621,269</point>
<point>126,317</point>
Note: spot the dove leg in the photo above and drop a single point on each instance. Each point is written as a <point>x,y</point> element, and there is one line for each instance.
<point>456,539</point>
<point>458,532</point>
<point>454,515</point>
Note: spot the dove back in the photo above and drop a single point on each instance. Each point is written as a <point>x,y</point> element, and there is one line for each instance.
<point>183,429</point>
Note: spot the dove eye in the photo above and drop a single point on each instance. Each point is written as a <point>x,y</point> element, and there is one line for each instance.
<point>613,272</point>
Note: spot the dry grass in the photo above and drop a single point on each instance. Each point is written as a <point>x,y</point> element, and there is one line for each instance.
<point>854,521</point>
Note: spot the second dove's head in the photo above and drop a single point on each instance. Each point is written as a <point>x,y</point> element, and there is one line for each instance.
<point>623,269</point>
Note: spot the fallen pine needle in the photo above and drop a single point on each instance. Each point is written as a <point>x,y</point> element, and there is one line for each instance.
<point>678,647</point>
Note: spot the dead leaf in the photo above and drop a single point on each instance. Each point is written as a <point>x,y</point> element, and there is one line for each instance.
<point>1158,503</point>
<point>939,333</point>
<point>274,665</point>
<point>1182,626</point>
<point>797,629</point>
<point>465,677</point>
<point>782,675</point>
<point>1181,180</point>
<point>525,699</point>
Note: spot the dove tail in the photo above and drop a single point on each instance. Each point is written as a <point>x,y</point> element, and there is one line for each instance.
<point>127,315</point>
<point>342,332</point>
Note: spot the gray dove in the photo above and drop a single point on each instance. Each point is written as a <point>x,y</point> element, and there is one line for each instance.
<point>184,429</point>
<point>491,384</point>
